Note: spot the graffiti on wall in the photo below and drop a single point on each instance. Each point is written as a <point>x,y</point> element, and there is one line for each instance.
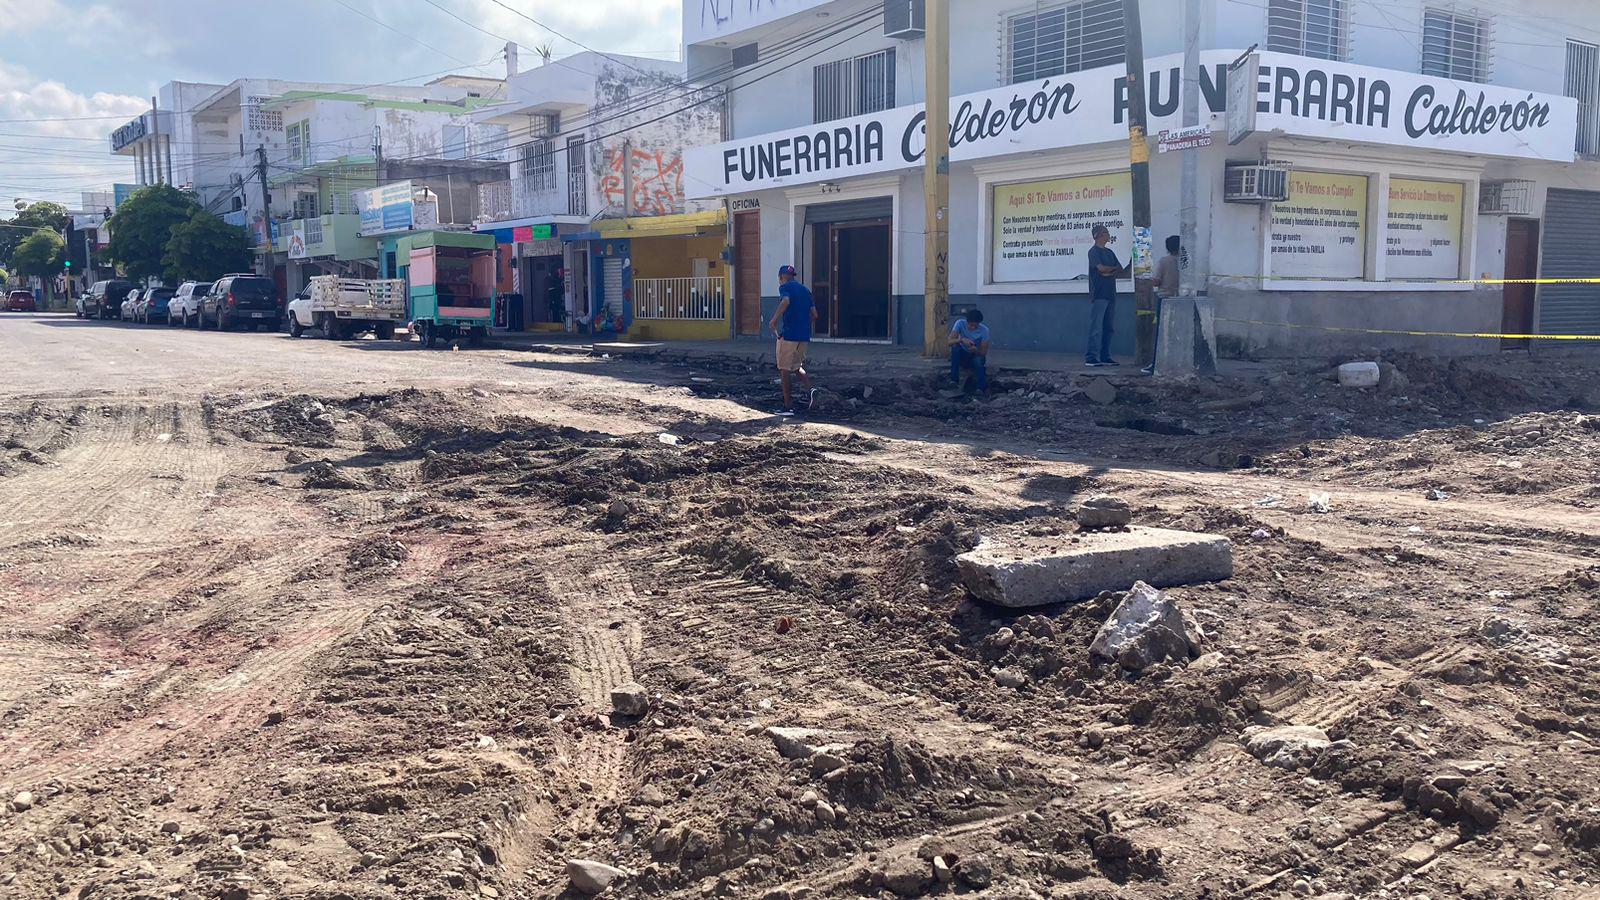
<point>719,17</point>
<point>657,180</point>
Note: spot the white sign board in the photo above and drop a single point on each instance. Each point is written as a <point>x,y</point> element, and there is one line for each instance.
<point>1241,112</point>
<point>1422,237</point>
<point>1299,96</point>
<point>1320,232</point>
<point>1191,138</point>
<point>1041,230</point>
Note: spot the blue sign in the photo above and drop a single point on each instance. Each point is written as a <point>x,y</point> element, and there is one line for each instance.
<point>121,192</point>
<point>386,209</point>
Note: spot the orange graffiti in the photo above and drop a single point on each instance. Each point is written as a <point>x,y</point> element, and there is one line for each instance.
<point>657,181</point>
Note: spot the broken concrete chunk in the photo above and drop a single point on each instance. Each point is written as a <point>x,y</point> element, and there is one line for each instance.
<point>630,699</point>
<point>1104,512</point>
<point>1021,570</point>
<point>1145,629</point>
<point>1359,375</point>
<point>1286,746</point>
<point>592,877</point>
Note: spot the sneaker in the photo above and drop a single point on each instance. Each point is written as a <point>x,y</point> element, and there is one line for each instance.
<point>784,413</point>
<point>1092,364</point>
<point>1110,363</point>
<point>1148,370</point>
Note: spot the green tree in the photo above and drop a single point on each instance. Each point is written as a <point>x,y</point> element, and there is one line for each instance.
<point>40,253</point>
<point>43,214</point>
<point>206,248</point>
<point>142,227</point>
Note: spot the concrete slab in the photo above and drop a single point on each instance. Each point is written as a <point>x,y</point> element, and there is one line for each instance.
<point>1020,570</point>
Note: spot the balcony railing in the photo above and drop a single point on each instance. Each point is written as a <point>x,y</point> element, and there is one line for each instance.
<point>521,199</point>
<point>496,201</point>
<point>693,299</point>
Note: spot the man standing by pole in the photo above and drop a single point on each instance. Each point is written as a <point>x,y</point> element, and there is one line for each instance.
<point>936,182</point>
<point>1139,165</point>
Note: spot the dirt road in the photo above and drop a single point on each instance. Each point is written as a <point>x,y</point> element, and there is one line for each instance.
<point>309,619</point>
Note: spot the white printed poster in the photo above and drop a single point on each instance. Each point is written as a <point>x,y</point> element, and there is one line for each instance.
<point>1423,239</point>
<point>1042,230</point>
<point>1320,232</point>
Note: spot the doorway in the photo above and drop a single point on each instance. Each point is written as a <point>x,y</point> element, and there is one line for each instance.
<point>747,275</point>
<point>1522,264</point>
<point>850,276</point>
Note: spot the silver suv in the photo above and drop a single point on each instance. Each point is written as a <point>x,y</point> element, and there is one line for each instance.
<point>184,309</point>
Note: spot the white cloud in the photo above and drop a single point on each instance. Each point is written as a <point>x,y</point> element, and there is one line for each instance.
<point>21,16</point>
<point>62,138</point>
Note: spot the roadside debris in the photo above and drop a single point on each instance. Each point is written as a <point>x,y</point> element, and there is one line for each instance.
<point>1023,570</point>
<point>1147,628</point>
<point>1359,375</point>
<point>1104,512</point>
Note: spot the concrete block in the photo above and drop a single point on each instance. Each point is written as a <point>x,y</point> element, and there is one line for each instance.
<point>1025,570</point>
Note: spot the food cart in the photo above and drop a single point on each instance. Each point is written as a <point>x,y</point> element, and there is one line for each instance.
<point>450,281</point>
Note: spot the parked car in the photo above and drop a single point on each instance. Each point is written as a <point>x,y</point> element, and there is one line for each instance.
<point>185,304</point>
<point>345,307</point>
<point>104,299</point>
<point>153,305</point>
<point>244,299</point>
<point>21,301</point>
<point>127,311</point>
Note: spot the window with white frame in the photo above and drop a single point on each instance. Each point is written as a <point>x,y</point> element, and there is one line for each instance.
<point>1455,44</point>
<point>1056,38</point>
<point>1583,84</point>
<point>853,87</point>
<point>539,153</point>
<point>298,137</point>
<point>1318,28</point>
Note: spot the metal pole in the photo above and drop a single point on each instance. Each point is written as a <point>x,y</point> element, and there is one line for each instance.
<point>936,181</point>
<point>266,207</point>
<point>155,139</point>
<point>1144,301</point>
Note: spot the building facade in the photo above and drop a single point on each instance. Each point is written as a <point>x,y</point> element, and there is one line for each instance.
<point>1361,169</point>
<point>597,228</point>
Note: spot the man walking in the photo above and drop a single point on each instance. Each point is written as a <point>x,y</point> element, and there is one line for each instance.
<point>969,347</point>
<point>1104,269</point>
<point>792,324</point>
<point>1167,269</point>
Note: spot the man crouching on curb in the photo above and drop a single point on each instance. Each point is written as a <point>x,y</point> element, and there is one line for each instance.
<point>792,324</point>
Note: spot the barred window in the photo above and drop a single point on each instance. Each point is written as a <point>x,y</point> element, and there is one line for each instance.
<point>1319,28</point>
<point>1455,45</point>
<point>539,153</point>
<point>1583,84</point>
<point>853,87</point>
<point>1060,38</point>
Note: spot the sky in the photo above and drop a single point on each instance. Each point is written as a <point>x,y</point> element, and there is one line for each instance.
<point>72,71</point>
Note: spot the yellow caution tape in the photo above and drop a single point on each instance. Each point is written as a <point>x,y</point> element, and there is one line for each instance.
<point>1451,334</point>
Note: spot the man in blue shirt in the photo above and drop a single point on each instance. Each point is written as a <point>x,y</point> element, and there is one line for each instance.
<point>792,324</point>
<point>1104,269</point>
<point>969,346</point>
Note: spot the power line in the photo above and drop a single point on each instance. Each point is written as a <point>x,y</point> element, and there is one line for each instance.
<point>399,32</point>
<point>565,37</point>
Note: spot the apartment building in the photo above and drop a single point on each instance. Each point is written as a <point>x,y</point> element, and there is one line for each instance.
<point>1370,167</point>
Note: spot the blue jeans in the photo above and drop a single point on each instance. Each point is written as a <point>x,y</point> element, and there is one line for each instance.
<point>961,356</point>
<point>1101,312</point>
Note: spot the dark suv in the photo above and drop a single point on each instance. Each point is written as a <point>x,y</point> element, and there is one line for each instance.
<point>248,300</point>
<point>104,299</point>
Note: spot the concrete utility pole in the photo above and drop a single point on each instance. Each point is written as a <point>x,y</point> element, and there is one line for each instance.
<point>266,206</point>
<point>1188,329</point>
<point>1144,301</point>
<point>377,153</point>
<point>155,138</point>
<point>627,179</point>
<point>936,181</point>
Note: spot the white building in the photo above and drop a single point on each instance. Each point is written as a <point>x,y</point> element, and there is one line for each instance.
<point>596,211</point>
<point>162,142</point>
<point>1421,147</point>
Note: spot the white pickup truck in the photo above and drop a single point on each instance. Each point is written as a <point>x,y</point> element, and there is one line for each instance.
<point>345,307</point>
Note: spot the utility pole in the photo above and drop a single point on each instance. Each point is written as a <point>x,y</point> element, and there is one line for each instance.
<point>936,180</point>
<point>155,139</point>
<point>627,179</point>
<point>1144,301</point>
<point>377,153</point>
<point>266,206</point>
<point>1186,323</point>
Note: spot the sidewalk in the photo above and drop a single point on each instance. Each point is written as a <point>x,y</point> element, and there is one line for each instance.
<point>823,354</point>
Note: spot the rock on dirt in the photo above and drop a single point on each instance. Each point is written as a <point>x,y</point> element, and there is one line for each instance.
<point>630,699</point>
<point>907,875</point>
<point>1021,570</point>
<point>1104,512</point>
<point>1146,628</point>
<point>1286,746</point>
<point>592,877</point>
<point>22,802</point>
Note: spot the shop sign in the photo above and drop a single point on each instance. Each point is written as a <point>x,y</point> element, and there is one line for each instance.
<point>744,204</point>
<point>1423,231</point>
<point>386,209</point>
<point>129,133</point>
<point>1320,232</point>
<point>1241,112</point>
<point>297,239</point>
<point>1042,230</point>
<point>1192,138</point>
<point>1292,94</point>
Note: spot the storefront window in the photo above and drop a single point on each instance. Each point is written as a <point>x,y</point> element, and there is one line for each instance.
<point>1041,229</point>
<point>1423,229</point>
<point>1320,232</point>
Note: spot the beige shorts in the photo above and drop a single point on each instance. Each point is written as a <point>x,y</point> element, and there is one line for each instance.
<point>791,355</point>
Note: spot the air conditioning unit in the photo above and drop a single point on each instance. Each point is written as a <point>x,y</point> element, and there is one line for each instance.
<point>1505,198</point>
<point>1255,183</point>
<point>905,19</point>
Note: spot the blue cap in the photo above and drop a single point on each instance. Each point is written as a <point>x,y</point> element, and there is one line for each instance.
<point>786,270</point>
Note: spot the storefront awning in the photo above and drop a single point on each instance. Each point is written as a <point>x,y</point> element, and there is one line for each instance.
<point>662,226</point>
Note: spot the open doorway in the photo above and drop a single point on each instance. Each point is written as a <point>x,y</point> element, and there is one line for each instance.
<point>851,276</point>
<point>1522,267</point>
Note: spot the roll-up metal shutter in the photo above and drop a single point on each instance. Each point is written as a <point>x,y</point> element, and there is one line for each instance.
<point>612,271</point>
<point>850,210</point>
<point>1570,251</point>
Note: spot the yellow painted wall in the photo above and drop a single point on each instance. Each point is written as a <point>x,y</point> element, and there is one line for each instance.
<point>673,257</point>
